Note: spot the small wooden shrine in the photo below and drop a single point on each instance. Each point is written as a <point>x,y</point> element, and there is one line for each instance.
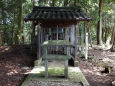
<point>54,27</point>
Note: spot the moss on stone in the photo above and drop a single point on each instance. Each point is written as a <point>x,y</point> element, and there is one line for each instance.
<point>75,75</point>
<point>37,62</point>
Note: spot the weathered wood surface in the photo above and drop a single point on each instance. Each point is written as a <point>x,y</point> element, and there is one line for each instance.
<point>76,46</point>
<point>67,33</point>
<point>47,56</point>
<point>39,43</point>
<point>36,76</point>
<point>76,40</point>
<point>56,57</point>
<point>86,46</point>
<point>57,43</point>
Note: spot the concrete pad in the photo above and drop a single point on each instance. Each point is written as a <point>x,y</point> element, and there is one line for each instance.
<point>56,76</point>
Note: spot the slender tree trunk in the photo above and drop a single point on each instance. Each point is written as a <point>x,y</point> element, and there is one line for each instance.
<point>4,23</point>
<point>113,40</point>
<point>12,39</point>
<point>103,32</point>
<point>65,3</point>
<point>106,35</point>
<point>20,22</point>
<point>75,2</point>
<point>0,39</point>
<point>33,1</point>
<point>112,37</point>
<point>53,3</point>
<point>33,31</point>
<point>47,2</point>
<point>99,27</point>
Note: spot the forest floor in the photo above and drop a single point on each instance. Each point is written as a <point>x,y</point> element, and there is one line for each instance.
<point>16,62</point>
<point>94,69</point>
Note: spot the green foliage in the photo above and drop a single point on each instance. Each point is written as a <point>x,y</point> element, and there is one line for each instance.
<point>9,12</point>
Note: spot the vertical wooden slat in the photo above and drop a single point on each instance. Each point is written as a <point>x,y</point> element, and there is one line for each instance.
<point>57,33</point>
<point>38,14</point>
<point>72,37</point>
<point>76,41</point>
<point>39,44</point>
<point>67,33</point>
<point>57,39</point>
<point>46,63</point>
<point>66,68</point>
<point>58,15</point>
<point>66,61</point>
<point>86,46</point>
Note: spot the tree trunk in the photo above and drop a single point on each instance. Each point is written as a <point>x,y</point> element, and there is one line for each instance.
<point>53,3</point>
<point>65,3</point>
<point>0,39</point>
<point>12,39</point>
<point>20,22</point>
<point>113,40</point>
<point>4,23</point>
<point>106,34</point>
<point>33,1</point>
<point>75,2</point>
<point>99,27</point>
<point>113,46</point>
<point>47,2</point>
<point>112,37</point>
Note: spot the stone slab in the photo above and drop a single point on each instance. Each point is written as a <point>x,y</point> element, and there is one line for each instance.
<point>56,77</point>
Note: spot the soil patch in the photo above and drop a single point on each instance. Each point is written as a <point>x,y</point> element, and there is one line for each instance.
<point>93,71</point>
<point>15,63</point>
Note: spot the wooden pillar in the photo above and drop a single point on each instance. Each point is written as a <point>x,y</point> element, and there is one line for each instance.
<point>57,33</point>
<point>86,46</point>
<point>67,33</point>
<point>39,43</point>
<point>72,38</point>
<point>46,63</point>
<point>76,41</point>
<point>66,68</point>
<point>66,62</point>
<point>72,34</point>
<point>85,29</point>
<point>57,39</point>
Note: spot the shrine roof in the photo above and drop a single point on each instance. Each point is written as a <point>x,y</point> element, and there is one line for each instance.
<point>57,15</point>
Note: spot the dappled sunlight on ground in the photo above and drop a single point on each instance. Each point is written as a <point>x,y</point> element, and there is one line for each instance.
<point>11,66</point>
<point>15,66</point>
<point>93,71</point>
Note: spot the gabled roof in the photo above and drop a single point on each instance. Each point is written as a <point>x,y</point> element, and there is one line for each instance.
<point>57,15</point>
